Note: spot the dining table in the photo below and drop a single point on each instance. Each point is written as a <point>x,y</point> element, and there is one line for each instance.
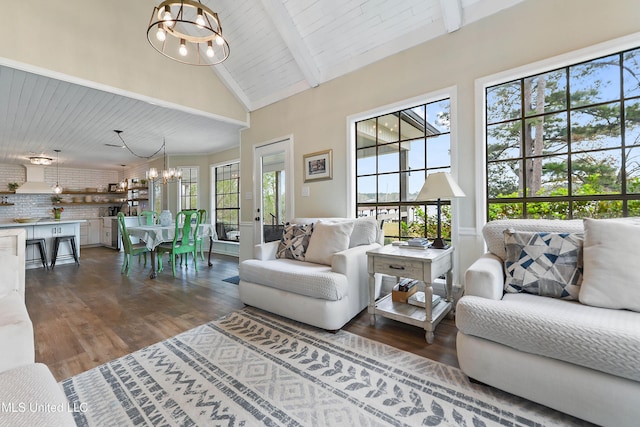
<point>155,234</point>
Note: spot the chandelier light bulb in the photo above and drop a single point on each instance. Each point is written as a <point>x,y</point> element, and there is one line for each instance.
<point>165,13</point>
<point>183,48</point>
<point>161,35</point>
<point>200,19</point>
<point>210,52</point>
<point>219,40</point>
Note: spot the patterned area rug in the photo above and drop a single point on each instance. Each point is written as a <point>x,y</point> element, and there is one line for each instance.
<point>251,368</point>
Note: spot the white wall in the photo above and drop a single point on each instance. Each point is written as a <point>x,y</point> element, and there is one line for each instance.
<point>105,42</point>
<point>528,32</point>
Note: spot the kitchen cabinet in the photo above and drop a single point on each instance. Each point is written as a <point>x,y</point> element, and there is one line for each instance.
<point>111,235</point>
<point>48,230</point>
<point>49,233</point>
<point>90,232</point>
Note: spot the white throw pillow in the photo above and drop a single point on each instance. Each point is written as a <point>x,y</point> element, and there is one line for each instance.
<point>327,239</point>
<point>365,232</point>
<point>611,257</point>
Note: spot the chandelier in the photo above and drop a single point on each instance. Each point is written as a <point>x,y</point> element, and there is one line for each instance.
<point>187,31</point>
<point>168,175</point>
<point>40,160</point>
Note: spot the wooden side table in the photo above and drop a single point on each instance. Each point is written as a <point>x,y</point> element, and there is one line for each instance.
<point>421,264</point>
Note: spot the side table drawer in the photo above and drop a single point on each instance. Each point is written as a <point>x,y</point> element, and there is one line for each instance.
<point>398,267</point>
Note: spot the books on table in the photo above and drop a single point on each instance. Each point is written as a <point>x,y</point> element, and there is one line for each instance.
<point>415,243</point>
<point>418,299</point>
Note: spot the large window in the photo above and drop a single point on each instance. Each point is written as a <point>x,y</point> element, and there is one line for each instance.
<point>227,185</point>
<point>394,154</point>
<point>189,193</point>
<point>565,143</point>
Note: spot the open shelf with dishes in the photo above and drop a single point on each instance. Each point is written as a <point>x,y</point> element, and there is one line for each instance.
<point>89,197</point>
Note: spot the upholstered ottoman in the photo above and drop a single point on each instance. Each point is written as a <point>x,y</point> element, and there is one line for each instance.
<point>30,396</point>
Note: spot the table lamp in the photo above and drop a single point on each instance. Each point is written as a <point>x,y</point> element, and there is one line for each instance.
<point>437,186</point>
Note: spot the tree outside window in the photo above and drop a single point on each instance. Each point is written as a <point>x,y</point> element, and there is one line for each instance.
<point>566,143</point>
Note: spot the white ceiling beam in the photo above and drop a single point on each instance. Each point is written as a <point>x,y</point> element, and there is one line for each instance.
<point>227,79</point>
<point>282,21</point>
<point>451,14</point>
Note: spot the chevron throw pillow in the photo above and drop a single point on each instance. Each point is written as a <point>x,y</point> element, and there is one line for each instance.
<point>546,264</point>
<point>294,241</point>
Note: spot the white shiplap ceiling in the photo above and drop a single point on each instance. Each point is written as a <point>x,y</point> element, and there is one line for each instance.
<point>278,48</point>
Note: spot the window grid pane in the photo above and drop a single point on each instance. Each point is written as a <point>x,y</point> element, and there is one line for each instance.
<point>563,144</point>
<point>394,154</point>
<point>227,212</point>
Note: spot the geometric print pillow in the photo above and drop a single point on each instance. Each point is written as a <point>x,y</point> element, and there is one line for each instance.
<point>294,241</point>
<point>546,264</point>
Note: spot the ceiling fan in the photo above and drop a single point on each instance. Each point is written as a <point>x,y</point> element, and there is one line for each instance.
<point>117,145</point>
<point>124,145</point>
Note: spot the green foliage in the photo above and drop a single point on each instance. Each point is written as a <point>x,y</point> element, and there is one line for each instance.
<point>417,227</point>
<point>562,129</point>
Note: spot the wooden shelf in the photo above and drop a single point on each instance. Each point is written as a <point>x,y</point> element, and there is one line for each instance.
<point>88,203</point>
<point>6,204</point>
<point>93,192</point>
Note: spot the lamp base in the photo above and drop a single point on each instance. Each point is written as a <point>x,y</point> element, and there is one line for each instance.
<point>439,243</point>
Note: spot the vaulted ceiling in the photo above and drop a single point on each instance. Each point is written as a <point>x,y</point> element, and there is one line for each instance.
<point>278,48</point>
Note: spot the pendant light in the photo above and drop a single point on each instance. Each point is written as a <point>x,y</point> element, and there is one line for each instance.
<point>123,183</point>
<point>57,189</point>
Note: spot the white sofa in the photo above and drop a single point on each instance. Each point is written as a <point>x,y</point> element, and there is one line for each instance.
<point>29,393</point>
<point>579,359</point>
<point>326,294</point>
<point>16,329</point>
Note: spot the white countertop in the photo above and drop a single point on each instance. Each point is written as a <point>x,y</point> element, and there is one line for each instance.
<point>42,221</point>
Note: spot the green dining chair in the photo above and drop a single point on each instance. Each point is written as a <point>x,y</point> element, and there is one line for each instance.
<point>130,249</point>
<point>184,240</point>
<point>147,218</point>
<point>203,220</point>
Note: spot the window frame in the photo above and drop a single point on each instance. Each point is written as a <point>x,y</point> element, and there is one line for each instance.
<point>448,92</point>
<point>214,186</point>
<point>183,196</point>
<point>529,70</point>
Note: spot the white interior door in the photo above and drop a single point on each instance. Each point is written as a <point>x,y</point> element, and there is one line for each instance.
<point>273,199</point>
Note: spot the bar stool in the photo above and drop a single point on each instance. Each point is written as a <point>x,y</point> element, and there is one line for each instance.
<point>42,245</point>
<point>56,243</point>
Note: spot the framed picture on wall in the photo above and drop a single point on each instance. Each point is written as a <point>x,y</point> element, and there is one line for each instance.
<point>318,166</point>
<point>113,188</point>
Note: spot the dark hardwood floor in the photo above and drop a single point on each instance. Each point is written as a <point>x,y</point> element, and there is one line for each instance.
<point>88,315</point>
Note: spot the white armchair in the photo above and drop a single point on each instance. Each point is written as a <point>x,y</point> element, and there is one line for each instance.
<point>322,295</point>
<point>564,354</point>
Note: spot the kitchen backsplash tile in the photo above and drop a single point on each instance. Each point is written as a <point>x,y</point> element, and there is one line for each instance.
<point>39,205</point>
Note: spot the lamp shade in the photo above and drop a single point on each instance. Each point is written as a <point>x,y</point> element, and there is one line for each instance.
<point>439,185</point>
